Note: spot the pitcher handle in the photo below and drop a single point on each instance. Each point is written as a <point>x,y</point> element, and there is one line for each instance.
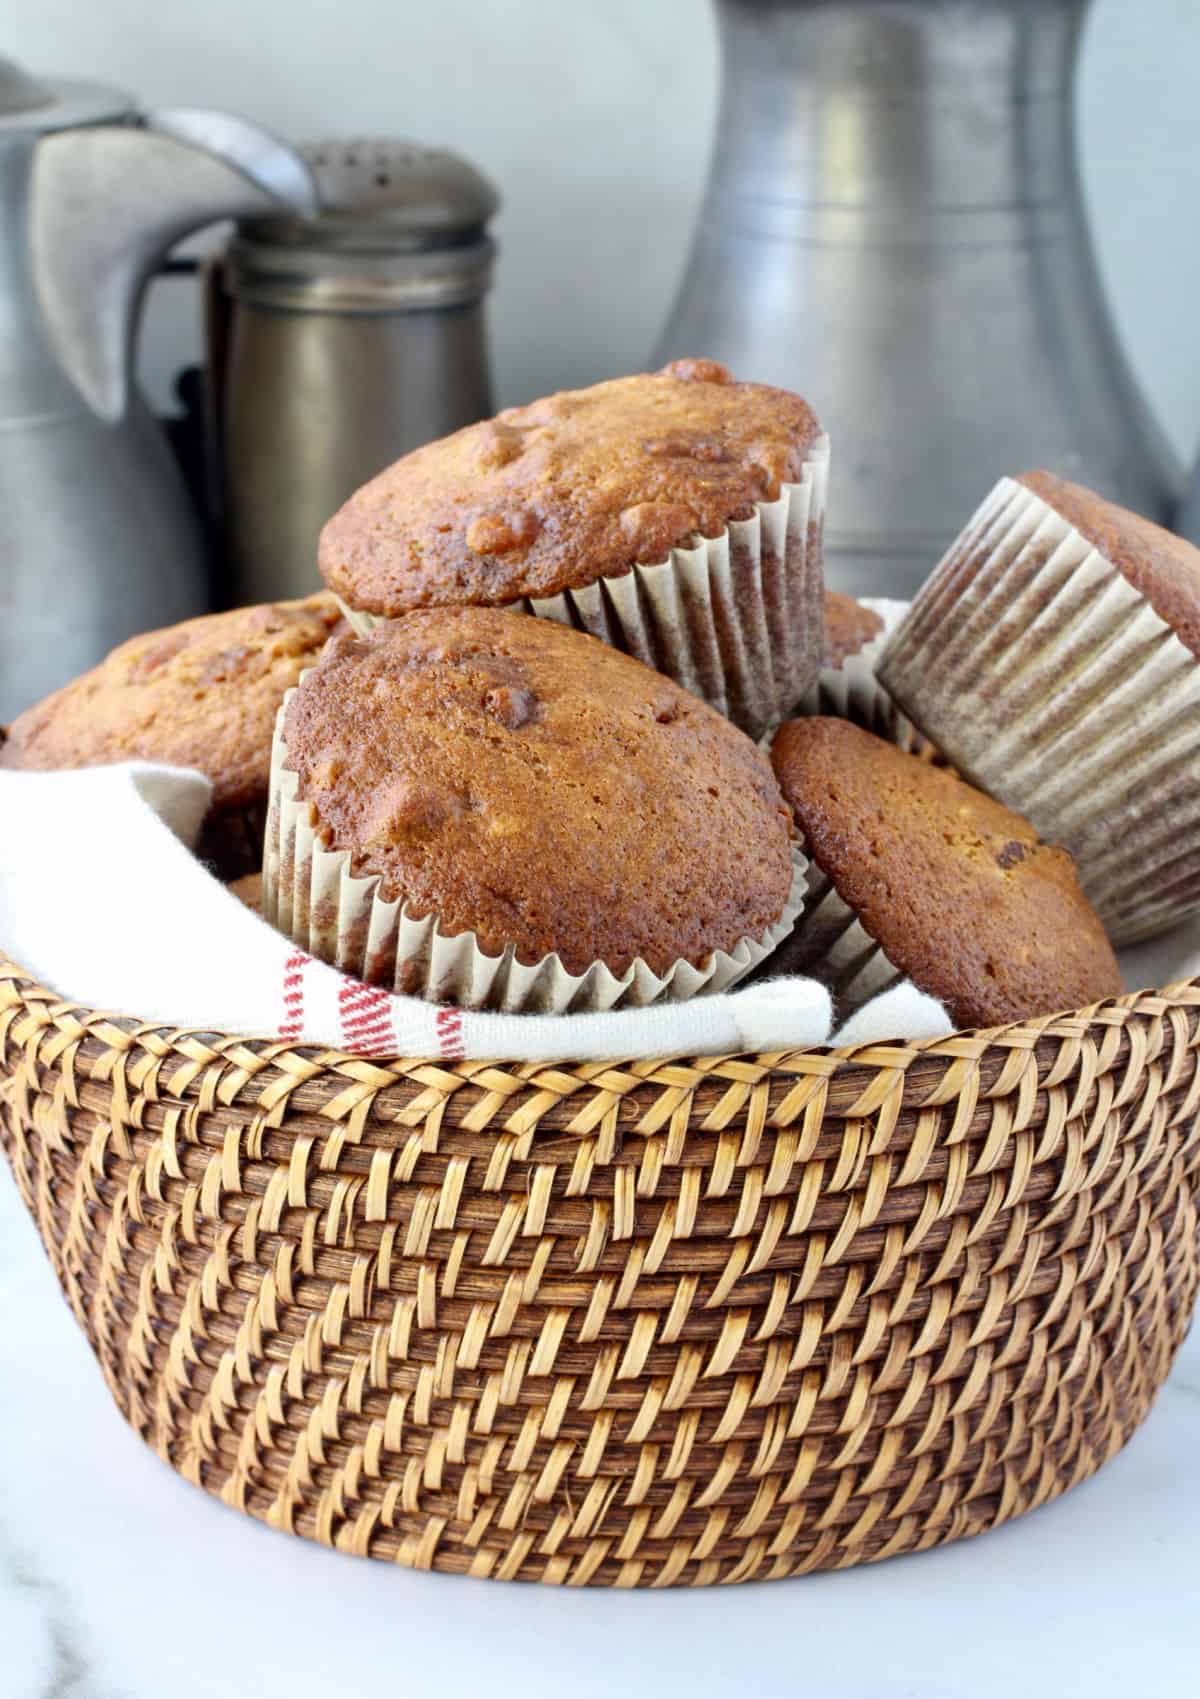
<point>106,205</point>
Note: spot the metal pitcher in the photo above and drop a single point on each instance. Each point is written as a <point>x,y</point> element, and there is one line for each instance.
<point>893,226</point>
<point>337,343</point>
<point>1187,521</point>
<point>97,536</point>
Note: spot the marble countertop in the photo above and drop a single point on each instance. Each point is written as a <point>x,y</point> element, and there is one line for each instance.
<point>120,1581</point>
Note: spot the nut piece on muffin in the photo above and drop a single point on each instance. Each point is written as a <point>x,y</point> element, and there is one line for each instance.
<point>528,786</point>
<point>618,485</point>
<point>1052,657</point>
<point>203,694</point>
<point>916,875</point>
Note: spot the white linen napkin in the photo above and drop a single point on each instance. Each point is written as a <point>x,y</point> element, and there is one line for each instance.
<point>103,902</point>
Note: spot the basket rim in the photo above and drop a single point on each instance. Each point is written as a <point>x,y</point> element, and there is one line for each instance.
<point>19,986</point>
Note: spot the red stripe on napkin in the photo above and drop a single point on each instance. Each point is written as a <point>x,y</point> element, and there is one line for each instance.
<point>450,1035</point>
<point>292,1024</point>
<point>365,1016</point>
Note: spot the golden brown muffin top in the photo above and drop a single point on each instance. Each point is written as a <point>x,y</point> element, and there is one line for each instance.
<point>203,694</point>
<point>1162,567</point>
<point>849,627</point>
<point>958,890</point>
<point>572,488</point>
<point>531,785</point>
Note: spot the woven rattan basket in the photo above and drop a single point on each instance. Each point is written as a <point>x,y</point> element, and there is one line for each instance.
<point>663,1322</point>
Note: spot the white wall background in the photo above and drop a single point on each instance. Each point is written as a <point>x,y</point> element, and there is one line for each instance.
<point>594,117</point>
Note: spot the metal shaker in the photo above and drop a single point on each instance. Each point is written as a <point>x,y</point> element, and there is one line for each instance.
<point>339,342</point>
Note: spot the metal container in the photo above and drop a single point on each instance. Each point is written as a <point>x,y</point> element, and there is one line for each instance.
<point>1187,521</point>
<point>97,536</point>
<point>894,227</point>
<point>338,343</point>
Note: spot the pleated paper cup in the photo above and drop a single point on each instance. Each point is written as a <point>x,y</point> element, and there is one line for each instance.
<point>311,894</point>
<point>736,619</point>
<point>830,943</point>
<point>1048,681</point>
<point>852,691</point>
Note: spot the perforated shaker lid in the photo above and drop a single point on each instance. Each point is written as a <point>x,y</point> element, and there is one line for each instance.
<point>34,105</point>
<point>379,194</point>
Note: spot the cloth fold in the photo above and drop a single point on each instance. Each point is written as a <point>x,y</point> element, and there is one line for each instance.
<point>102,900</point>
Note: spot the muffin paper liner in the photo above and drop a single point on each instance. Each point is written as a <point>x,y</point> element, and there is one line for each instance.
<point>852,691</point>
<point>831,944</point>
<point>311,894</point>
<point>736,619</point>
<point>1047,680</point>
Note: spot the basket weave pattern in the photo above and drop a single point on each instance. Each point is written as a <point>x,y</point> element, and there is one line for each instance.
<point>646,1324</point>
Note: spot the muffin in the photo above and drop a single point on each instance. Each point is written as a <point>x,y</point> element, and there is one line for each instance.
<point>856,634</point>
<point>916,875</point>
<point>850,627</point>
<point>675,515</point>
<point>248,891</point>
<point>203,694</point>
<point>1052,657</point>
<point>478,807</point>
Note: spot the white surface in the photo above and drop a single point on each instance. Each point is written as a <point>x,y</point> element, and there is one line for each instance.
<point>596,121</point>
<point>120,1581</point>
